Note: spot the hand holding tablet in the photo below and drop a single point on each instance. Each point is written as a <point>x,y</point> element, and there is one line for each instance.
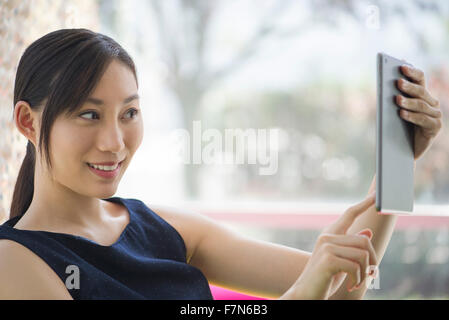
<point>408,120</point>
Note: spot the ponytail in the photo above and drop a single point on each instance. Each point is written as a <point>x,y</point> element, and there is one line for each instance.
<point>24,188</point>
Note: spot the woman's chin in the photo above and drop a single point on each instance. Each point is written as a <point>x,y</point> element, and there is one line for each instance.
<point>104,193</point>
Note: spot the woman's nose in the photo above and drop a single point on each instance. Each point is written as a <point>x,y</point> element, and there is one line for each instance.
<point>111,139</point>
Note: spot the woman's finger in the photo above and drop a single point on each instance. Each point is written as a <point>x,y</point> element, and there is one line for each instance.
<point>418,105</point>
<point>414,74</point>
<point>357,255</point>
<point>355,241</point>
<point>417,91</point>
<point>347,219</point>
<point>350,267</point>
<point>422,120</point>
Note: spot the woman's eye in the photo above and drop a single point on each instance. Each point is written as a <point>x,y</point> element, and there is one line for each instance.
<point>133,111</point>
<point>92,112</point>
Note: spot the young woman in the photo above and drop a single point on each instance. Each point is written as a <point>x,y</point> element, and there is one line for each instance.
<point>76,101</point>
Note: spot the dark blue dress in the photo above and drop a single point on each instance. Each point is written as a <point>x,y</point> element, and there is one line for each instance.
<point>148,261</point>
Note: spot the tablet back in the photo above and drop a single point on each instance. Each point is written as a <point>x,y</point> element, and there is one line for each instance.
<point>394,143</point>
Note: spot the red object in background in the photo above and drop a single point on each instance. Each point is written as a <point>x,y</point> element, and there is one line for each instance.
<point>224,294</point>
<point>319,221</point>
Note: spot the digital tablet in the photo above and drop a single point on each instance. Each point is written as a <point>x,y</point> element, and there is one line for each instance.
<point>394,143</point>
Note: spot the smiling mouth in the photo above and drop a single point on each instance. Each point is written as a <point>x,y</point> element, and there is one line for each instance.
<point>105,168</point>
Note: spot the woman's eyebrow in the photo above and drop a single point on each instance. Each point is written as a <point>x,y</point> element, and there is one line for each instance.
<point>100,102</point>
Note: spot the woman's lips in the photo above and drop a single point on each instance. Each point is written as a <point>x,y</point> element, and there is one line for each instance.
<point>106,174</point>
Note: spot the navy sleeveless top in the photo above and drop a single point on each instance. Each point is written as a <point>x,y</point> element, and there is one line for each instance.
<point>148,261</point>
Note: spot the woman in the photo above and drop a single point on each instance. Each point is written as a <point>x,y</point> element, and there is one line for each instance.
<point>76,101</point>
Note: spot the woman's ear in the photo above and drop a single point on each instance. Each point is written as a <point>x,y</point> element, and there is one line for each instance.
<point>26,121</point>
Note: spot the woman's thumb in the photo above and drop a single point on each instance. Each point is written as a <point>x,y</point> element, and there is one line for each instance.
<point>366,232</point>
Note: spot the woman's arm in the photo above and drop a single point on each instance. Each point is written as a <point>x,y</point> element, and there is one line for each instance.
<point>382,227</point>
<point>237,262</point>
<point>25,276</point>
<point>232,260</point>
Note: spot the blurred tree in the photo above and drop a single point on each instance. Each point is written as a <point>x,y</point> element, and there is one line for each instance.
<point>190,78</point>
<point>189,84</point>
<point>184,26</point>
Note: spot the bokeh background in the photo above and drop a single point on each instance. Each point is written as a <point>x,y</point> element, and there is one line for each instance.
<point>305,68</point>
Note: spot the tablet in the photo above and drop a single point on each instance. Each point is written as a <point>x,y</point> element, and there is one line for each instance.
<point>394,143</point>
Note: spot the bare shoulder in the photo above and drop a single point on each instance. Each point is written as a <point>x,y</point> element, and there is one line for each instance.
<point>25,276</point>
<point>191,225</point>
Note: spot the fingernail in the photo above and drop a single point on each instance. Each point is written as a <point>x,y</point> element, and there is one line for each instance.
<point>406,67</point>
<point>373,273</point>
<point>363,235</point>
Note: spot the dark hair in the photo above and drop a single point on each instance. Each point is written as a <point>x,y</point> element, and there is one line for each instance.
<point>56,74</point>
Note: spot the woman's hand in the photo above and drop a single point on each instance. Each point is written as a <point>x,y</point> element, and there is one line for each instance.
<point>335,255</point>
<point>421,109</point>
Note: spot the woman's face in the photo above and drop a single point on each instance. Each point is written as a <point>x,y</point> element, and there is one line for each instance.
<point>107,128</point>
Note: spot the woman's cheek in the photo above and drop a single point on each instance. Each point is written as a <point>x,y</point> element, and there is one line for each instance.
<point>135,136</point>
<point>67,140</point>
